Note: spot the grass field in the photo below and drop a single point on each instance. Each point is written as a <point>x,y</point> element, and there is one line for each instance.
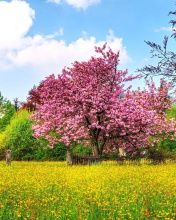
<point>53,190</point>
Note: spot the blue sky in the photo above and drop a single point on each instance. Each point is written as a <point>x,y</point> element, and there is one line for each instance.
<point>41,37</point>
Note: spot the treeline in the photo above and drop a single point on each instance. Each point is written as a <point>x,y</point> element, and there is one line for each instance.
<point>16,134</point>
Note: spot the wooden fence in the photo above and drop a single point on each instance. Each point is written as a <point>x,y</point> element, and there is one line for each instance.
<point>89,159</point>
<point>85,159</point>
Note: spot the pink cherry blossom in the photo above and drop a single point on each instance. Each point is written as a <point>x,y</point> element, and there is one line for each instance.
<point>84,104</point>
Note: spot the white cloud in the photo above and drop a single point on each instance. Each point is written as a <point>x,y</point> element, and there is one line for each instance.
<point>43,54</point>
<point>16,18</point>
<point>47,55</point>
<point>61,31</point>
<point>58,33</point>
<point>164,29</point>
<point>54,1</point>
<point>83,4</point>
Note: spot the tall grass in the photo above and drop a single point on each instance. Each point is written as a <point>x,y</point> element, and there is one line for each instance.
<point>53,190</point>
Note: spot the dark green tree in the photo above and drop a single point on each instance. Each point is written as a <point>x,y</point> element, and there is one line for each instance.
<point>16,104</point>
<point>7,110</point>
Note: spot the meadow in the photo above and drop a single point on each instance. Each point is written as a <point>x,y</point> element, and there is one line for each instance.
<point>53,190</point>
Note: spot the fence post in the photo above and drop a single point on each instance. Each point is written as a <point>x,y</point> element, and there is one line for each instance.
<point>69,157</point>
<point>8,157</point>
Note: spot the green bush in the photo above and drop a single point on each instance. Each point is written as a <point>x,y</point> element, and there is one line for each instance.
<point>18,137</point>
<point>168,145</point>
<point>44,153</point>
<point>81,150</point>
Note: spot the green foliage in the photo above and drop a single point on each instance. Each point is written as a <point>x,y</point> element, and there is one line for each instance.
<point>82,150</point>
<point>171,113</point>
<point>7,110</point>
<point>44,153</point>
<point>165,149</point>
<point>2,139</point>
<point>169,145</point>
<point>18,137</point>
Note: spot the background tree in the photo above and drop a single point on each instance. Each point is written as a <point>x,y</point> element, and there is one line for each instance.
<point>166,67</point>
<point>173,22</point>
<point>33,98</point>
<point>7,110</point>
<point>16,103</point>
<point>83,105</point>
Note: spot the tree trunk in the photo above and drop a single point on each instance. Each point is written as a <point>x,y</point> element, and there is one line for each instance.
<point>95,150</point>
<point>69,157</point>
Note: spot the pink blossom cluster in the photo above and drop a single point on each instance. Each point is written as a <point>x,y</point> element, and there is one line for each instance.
<point>84,105</point>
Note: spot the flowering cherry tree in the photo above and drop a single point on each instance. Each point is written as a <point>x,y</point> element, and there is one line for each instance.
<point>85,105</point>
